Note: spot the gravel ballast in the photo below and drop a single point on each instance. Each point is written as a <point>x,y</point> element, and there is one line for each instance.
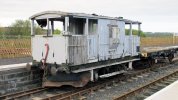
<point>118,88</point>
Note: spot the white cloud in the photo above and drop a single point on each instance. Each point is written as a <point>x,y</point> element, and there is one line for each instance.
<point>156,15</point>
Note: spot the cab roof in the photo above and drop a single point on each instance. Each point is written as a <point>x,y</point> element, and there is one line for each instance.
<point>59,14</point>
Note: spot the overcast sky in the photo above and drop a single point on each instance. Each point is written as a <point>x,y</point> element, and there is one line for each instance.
<point>155,15</point>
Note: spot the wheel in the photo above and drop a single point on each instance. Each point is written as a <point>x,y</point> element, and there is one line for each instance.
<point>170,57</point>
<point>53,70</point>
<point>28,67</point>
<point>151,62</point>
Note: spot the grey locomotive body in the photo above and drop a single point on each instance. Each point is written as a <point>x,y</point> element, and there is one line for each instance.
<point>90,47</point>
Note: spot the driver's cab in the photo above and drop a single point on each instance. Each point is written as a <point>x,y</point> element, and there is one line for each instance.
<point>68,36</point>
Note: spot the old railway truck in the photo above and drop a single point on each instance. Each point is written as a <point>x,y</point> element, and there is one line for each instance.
<point>89,47</point>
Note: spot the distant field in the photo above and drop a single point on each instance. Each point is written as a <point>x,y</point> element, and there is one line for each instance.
<point>21,47</point>
<point>159,41</point>
<point>10,48</point>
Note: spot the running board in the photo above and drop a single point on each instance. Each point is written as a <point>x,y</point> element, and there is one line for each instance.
<point>102,66</point>
<point>112,74</point>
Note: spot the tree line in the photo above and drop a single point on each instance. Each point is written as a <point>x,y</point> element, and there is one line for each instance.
<point>22,28</point>
<point>19,27</point>
<point>135,32</point>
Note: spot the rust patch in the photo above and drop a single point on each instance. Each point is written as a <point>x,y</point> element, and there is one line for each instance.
<point>85,78</point>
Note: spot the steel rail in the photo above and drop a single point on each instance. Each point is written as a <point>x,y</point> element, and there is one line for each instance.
<point>78,93</point>
<point>133,91</point>
<point>14,96</point>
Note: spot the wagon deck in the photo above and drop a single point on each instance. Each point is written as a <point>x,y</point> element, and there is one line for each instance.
<point>145,51</point>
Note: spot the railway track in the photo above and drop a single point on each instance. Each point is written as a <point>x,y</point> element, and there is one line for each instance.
<point>81,92</point>
<point>130,84</point>
<point>17,95</point>
<point>75,93</point>
<point>148,89</point>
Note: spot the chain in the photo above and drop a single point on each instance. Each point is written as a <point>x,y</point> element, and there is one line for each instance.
<point>45,73</point>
